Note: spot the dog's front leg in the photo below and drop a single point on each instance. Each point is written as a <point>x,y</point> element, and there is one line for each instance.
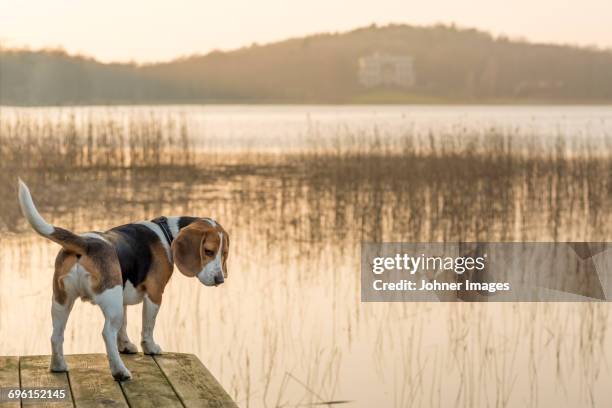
<point>59,316</point>
<point>149,314</point>
<point>111,303</point>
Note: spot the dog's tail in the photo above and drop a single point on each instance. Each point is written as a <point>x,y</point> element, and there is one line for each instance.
<point>69,240</point>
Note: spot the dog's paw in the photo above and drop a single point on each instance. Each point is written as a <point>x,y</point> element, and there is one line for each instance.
<point>150,348</point>
<point>127,347</point>
<point>122,374</point>
<point>58,366</point>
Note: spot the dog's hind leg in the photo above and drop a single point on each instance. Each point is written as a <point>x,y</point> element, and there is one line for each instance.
<point>111,303</point>
<point>59,316</point>
<point>123,341</point>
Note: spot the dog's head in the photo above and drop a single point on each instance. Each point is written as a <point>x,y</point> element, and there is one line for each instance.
<point>201,249</point>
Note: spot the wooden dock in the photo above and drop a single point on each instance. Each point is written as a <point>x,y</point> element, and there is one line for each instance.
<point>168,380</point>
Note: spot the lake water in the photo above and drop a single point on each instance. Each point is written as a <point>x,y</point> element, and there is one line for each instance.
<point>287,127</point>
<point>288,328</point>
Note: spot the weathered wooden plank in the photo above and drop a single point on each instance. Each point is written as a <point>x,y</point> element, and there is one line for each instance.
<point>171,380</point>
<point>148,387</point>
<point>35,374</point>
<point>193,383</point>
<point>9,378</point>
<point>92,383</point>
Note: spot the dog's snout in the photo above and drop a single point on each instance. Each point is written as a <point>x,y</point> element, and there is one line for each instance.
<point>219,279</point>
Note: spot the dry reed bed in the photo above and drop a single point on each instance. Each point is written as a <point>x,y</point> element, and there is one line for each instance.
<point>437,186</point>
<point>28,142</point>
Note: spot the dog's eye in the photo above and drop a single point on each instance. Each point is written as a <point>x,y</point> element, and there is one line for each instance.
<point>208,252</point>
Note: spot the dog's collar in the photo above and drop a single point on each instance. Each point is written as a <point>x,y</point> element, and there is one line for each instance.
<point>162,222</point>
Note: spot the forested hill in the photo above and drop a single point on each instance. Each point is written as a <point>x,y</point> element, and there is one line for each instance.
<point>449,65</point>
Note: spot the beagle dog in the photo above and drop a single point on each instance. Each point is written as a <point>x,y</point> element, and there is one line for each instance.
<point>124,266</point>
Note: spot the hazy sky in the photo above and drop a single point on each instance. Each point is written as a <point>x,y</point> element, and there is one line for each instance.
<point>150,30</point>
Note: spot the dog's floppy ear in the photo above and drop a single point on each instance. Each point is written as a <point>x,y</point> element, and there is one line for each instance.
<point>186,249</point>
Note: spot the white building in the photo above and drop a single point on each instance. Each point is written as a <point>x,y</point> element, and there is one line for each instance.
<point>386,70</point>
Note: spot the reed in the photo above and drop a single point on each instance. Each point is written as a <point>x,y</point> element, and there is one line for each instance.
<point>44,144</point>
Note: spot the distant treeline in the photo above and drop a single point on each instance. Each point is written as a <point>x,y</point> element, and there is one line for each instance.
<point>451,65</point>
